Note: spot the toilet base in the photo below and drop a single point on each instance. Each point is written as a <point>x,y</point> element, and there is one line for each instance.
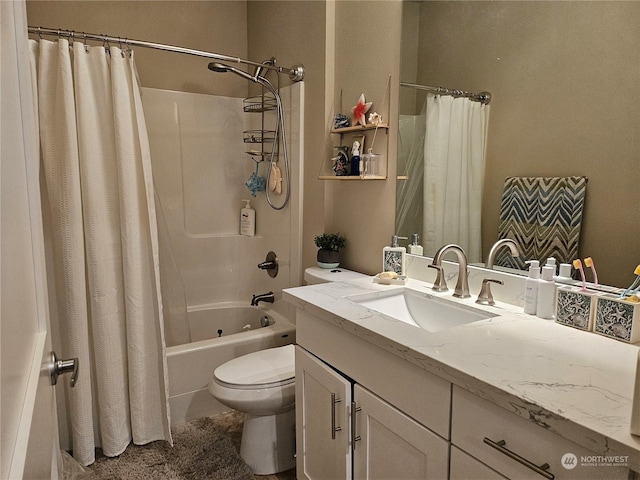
<point>268,442</point>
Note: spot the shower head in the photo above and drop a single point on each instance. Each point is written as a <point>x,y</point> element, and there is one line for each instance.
<point>221,68</point>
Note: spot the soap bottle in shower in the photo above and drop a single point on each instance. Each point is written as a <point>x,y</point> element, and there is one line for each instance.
<point>247,220</point>
<point>414,247</point>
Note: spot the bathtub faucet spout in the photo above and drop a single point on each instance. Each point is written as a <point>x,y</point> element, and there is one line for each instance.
<point>263,297</point>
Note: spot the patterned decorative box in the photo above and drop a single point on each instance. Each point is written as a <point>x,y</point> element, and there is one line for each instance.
<point>576,308</point>
<point>618,319</point>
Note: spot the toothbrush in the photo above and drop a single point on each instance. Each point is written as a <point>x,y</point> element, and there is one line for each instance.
<point>634,285</point>
<point>577,264</point>
<point>589,263</point>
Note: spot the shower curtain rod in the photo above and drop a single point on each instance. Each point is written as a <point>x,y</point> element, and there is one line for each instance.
<point>482,97</point>
<point>296,73</point>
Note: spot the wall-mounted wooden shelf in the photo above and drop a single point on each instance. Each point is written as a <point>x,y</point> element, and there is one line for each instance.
<point>360,128</point>
<point>352,177</point>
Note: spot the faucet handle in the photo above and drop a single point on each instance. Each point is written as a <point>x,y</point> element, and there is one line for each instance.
<point>440,284</point>
<point>485,297</point>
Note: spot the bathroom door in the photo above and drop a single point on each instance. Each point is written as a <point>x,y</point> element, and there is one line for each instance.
<point>29,442</point>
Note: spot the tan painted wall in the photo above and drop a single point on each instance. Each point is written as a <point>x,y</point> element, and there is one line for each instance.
<point>366,54</point>
<point>219,26</point>
<point>295,33</point>
<point>565,79</point>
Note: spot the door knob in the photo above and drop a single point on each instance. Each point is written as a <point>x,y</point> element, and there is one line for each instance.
<point>58,367</point>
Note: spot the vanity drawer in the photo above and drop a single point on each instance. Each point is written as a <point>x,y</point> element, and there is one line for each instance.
<point>464,466</point>
<point>493,435</point>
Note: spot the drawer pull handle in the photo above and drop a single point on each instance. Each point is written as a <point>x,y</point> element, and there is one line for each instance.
<point>334,429</point>
<point>500,446</point>
<point>354,438</point>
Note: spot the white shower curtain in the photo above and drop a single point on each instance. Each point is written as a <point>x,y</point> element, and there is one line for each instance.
<point>104,245</point>
<point>454,160</point>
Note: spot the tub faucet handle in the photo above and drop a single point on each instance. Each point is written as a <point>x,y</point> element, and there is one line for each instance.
<point>270,264</point>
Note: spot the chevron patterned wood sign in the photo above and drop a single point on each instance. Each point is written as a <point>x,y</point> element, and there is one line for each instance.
<point>544,217</point>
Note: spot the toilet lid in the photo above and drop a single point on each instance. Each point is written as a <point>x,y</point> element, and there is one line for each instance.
<point>263,368</point>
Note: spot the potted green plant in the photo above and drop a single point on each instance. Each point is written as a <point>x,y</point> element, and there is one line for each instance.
<point>329,245</point>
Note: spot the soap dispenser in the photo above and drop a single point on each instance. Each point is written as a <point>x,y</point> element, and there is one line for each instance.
<point>393,256</point>
<point>531,287</point>
<point>247,220</point>
<point>414,247</point>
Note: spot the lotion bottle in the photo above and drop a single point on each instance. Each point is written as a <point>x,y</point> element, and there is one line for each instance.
<point>546,293</point>
<point>393,256</point>
<point>247,220</point>
<point>531,288</point>
<point>414,247</point>
<point>564,275</point>
<point>551,262</point>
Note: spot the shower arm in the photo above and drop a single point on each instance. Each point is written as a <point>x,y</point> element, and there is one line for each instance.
<point>296,73</point>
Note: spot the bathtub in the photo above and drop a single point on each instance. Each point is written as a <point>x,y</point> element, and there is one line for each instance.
<point>219,333</point>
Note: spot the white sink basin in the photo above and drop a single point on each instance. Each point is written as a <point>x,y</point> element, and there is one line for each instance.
<point>421,309</point>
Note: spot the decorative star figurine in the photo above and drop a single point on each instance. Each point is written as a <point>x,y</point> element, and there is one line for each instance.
<point>359,110</point>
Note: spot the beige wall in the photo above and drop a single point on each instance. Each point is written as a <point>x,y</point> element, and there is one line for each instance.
<point>364,211</point>
<point>566,101</point>
<point>219,26</point>
<point>294,32</point>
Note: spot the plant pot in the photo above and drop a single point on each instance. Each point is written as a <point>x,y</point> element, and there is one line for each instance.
<point>328,258</point>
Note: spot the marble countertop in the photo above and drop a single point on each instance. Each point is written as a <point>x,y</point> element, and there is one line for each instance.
<point>577,384</point>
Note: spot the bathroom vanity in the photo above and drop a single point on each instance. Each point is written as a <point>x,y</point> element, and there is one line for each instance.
<point>506,396</point>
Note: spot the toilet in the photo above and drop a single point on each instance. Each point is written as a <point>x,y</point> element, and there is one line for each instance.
<point>316,275</point>
<point>262,386</point>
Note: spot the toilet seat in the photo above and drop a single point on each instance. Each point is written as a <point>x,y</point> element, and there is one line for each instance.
<point>270,368</point>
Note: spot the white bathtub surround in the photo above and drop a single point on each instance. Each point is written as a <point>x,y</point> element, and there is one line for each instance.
<point>190,366</point>
<point>200,168</point>
<point>573,383</point>
<point>102,230</point>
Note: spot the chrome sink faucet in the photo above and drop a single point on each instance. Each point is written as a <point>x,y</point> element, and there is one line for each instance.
<point>462,287</point>
<point>505,242</point>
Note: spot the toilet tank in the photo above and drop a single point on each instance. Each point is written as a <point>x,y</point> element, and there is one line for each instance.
<point>315,275</point>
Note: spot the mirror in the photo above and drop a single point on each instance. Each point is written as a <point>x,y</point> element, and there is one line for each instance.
<point>565,101</point>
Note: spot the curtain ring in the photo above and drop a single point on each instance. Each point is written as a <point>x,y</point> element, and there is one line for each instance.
<point>120,46</point>
<point>105,44</point>
<point>40,33</point>
<point>84,41</point>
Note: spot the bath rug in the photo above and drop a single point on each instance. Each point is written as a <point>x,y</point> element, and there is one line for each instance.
<point>203,449</point>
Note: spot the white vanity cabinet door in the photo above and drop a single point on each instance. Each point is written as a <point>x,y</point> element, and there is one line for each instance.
<point>476,422</point>
<point>390,445</point>
<point>323,399</point>
<point>463,467</point>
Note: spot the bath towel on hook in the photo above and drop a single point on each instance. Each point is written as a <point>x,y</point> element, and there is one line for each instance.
<point>544,216</point>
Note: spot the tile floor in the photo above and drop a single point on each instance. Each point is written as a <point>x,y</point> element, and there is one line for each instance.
<point>231,422</point>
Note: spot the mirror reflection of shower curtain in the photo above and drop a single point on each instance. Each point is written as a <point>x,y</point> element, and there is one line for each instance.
<point>411,168</point>
<point>454,161</point>
<point>105,289</point>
